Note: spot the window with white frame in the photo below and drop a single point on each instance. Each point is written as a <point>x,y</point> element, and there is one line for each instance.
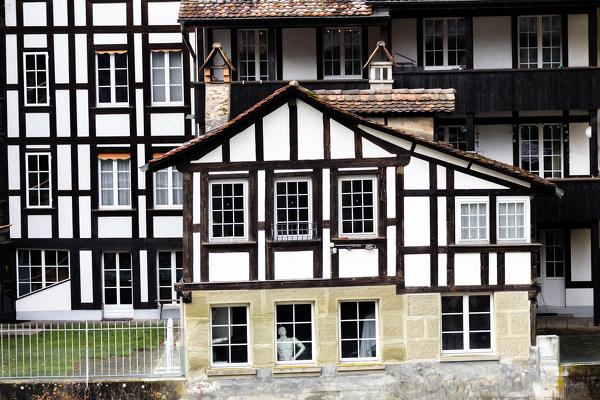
<point>466,323</point>
<point>294,333</point>
<point>454,135</point>
<point>513,219</point>
<point>228,210</point>
<point>170,270</point>
<point>112,80</point>
<point>342,52</point>
<point>542,154</point>
<point>444,42</point>
<point>117,278</point>
<point>357,205</point>
<point>167,76</point>
<point>540,41</point>
<point>253,54</point>
<point>472,215</point>
<point>36,78</point>
<point>38,269</point>
<point>229,335</point>
<point>292,209</point>
<point>554,253</point>
<point>115,180</point>
<point>358,330</point>
<point>168,188</point>
<point>38,180</point>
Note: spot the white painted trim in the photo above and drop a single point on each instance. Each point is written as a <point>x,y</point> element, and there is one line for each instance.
<point>457,216</point>
<point>377,322</point>
<point>526,222</point>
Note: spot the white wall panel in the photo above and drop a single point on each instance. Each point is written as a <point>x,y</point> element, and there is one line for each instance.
<point>416,174</point>
<point>242,146</point>
<point>326,254</point>
<point>137,56</point>
<point>442,269</point>
<point>215,155</point>
<point>341,141</point>
<point>14,216</point>
<point>80,12</point>
<point>57,297</point>
<point>517,268</point>
<point>262,274</point>
<point>310,132</point>
<point>137,12</point>
<point>578,40</point>
<point>358,263</point>
<point>63,154</point>
<point>163,13</point>
<point>34,14</point>
<point>168,227</point>
<point>83,165</point>
<point>143,276</point>
<point>196,257</point>
<point>416,221</point>
<point>198,201</point>
<point>86,276</point>
<point>167,124</point>
<point>60,12</point>
<point>142,216</point>
<point>579,149</point>
<point>37,124</point>
<point>276,135</point>
<point>164,38</point>
<point>10,12</point>
<point>325,190</point>
<point>467,269</point>
<point>390,183</point>
<point>492,43</point>
<point>579,297</point>
<point>110,38</point>
<point>371,150</point>
<point>464,181</point>
<point>139,111</point>
<point>581,255</point>
<point>495,141</point>
<point>39,226</point>
<point>112,125</point>
<point>228,267</point>
<point>417,270</point>
<point>261,195</point>
<point>109,14</point>
<point>442,221</point>
<point>290,265</point>
<point>12,69</point>
<point>141,160</point>
<point>81,57</point>
<point>14,172</point>
<point>441,177</point>
<point>299,56</point>
<point>35,41</point>
<point>85,217</point>
<point>12,118</point>
<point>114,227</point>
<point>404,39</point>
<point>63,113</point>
<point>391,250</point>
<point>83,124</point>
<point>65,217</point>
<point>493,268</point>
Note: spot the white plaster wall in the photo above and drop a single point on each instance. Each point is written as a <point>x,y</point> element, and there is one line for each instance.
<point>39,226</point>
<point>168,227</point>
<point>371,150</point>
<point>137,12</point>
<point>112,125</point>
<point>57,297</point>
<point>310,132</point>
<point>326,195</point>
<point>83,126</point>
<point>60,12</point>
<point>81,57</point>
<point>141,160</point>
<point>12,70</point>
<point>196,198</point>
<point>65,217</point>
<point>143,276</point>
<point>578,40</point>
<point>581,255</point>
<point>441,177</point>
<point>35,41</point>
<point>341,141</point>
<point>114,227</point>
<point>517,268</point>
<point>86,279</point>
<point>492,43</point>
<point>110,38</point>
<point>442,220</point>
<point>262,273</point>
<point>495,142</point>
<point>222,36</point>
<point>10,12</point>
<point>326,254</point>
<point>464,181</point>
<point>196,256</point>
<point>416,174</point>
<point>85,217</point>
<point>139,111</point>
<point>137,57</point>
<point>14,216</point>
<point>442,269</point>
<point>164,38</point>
<point>34,14</point>
<point>163,13</point>
<point>109,14</point>
<point>391,252</point>
<point>416,221</point>
<point>467,269</point>
<point>63,162</point>
<point>63,113</point>
<point>142,216</point>
<point>358,263</point>
<point>404,39</point>
<point>215,155</point>
<point>80,12</point>
<point>290,265</point>
<point>83,166</point>
<point>299,56</point>
<point>390,183</point>
<point>37,124</point>
<point>579,149</point>
<point>228,267</point>
<point>579,297</point>
<point>276,135</point>
<point>12,118</point>
<point>493,269</point>
<point>14,172</point>
<point>167,124</point>
<point>416,270</point>
<point>242,147</point>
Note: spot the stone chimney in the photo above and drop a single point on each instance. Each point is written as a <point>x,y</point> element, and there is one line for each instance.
<point>380,65</point>
<point>217,79</point>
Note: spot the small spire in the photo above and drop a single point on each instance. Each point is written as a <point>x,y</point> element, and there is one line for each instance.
<point>294,83</point>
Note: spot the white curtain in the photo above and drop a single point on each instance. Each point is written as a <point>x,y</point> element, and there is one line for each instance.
<point>106,182</point>
<point>123,182</point>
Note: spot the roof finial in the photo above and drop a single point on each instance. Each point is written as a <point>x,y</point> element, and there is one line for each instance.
<point>294,83</point>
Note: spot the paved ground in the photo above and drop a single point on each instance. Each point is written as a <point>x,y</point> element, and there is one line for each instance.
<point>579,337</point>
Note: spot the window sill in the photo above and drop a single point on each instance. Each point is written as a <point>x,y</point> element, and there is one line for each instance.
<point>230,372</point>
<point>360,367</point>
<point>229,243</point>
<point>469,357</point>
<point>108,209</point>
<point>293,370</point>
<point>499,244</point>
<point>116,107</point>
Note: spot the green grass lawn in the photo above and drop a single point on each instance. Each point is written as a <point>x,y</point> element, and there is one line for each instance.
<point>61,351</point>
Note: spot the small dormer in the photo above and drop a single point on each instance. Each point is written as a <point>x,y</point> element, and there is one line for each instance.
<point>380,65</point>
<point>217,67</point>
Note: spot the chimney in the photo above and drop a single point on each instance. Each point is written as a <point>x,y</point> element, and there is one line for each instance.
<point>380,65</point>
<point>217,79</point>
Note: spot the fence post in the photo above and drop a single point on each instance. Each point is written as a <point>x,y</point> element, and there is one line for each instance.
<point>87,358</point>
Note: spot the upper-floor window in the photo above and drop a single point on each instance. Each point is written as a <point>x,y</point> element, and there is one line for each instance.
<point>168,188</point>
<point>540,41</point>
<point>454,135</point>
<point>444,42</point>
<point>357,205</point>
<point>112,80</point>
<point>228,210</point>
<point>115,180</point>
<point>253,54</point>
<point>466,323</point>
<point>342,52</point>
<point>38,180</point>
<point>472,214</point>
<point>513,218</point>
<point>542,153</point>
<point>358,330</point>
<point>170,270</point>
<point>229,335</point>
<point>167,76</point>
<point>38,269</point>
<point>36,78</point>
<point>292,209</point>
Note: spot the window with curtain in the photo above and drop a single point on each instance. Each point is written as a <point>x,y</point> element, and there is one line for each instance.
<point>38,180</point>
<point>293,326</point>
<point>111,78</point>
<point>540,41</point>
<point>38,269</point>
<point>35,68</point>
<point>168,188</point>
<point>115,180</point>
<point>358,330</point>
<point>342,52</point>
<point>167,76</point>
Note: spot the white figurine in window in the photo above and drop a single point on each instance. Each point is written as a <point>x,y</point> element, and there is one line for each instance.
<point>285,346</point>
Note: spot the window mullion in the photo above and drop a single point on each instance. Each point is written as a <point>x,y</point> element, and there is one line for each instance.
<point>113,82</point>
<point>540,43</point>
<point>466,322</point>
<point>445,42</point>
<point>167,77</point>
<point>43,268</point>
<point>115,183</point>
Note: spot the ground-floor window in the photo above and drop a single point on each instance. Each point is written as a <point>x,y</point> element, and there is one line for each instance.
<point>118,284</point>
<point>38,269</point>
<point>358,330</point>
<point>466,323</point>
<point>170,270</point>
<point>293,324</point>
<point>229,335</point>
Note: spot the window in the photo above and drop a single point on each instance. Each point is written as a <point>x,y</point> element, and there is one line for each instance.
<point>228,210</point>
<point>292,209</point>
<point>170,270</point>
<point>444,42</point>
<point>168,188</point>
<point>294,333</point>
<point>554,252</point>
<point>358,330</point>
<point>341,52</point>
<point>473,222</point>
<point>542,154</point>
<point>38,269</point>
<point>454,135</point>
<point>253,53</point>
<point>115,180</point>
<point>112,78</point>
<point>540,41</point>
<point>38,180</point>
<point>466,323</point>
<point>513,219</point>
<point>36,79</point>
<point>167,76</point>
<point>229,335</point>
<point>357,206</point>
<point>118,286</point>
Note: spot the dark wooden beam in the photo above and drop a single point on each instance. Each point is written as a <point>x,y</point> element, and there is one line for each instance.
<point>272,53</point>
<point>469,41</point>
<point>593,36</point>
<point>566,158</point>
<point>594,143</point>
<point>565,39</point>
<point>365,50</point>
<point>234,54</point>
<point>279,53</point>
<point>595,272</point>
<point>515,138</point>
<point>514,30</point>
<point>319,50</point>
<point>420,61</point>
<point>470,132</point>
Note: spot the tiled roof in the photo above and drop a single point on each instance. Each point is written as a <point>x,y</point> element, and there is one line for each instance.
<point>380,101</point>
<point>200,9</point>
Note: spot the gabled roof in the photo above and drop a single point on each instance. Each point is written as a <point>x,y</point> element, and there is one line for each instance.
<point>293,89</point>
<point>380,48</point>
<point>217,48</point>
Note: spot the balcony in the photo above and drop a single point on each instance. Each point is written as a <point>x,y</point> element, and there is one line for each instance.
<point>579,203</point>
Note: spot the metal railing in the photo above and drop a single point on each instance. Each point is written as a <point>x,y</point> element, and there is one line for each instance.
<point>289,231</point>
<point>91,350</point>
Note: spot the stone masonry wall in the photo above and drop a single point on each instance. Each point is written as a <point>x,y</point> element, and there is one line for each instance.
<point>511,324</point>
<point>422,320</point>
<point>217,105</point>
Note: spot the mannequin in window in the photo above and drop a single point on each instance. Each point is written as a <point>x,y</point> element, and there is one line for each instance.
<point>285,346</point>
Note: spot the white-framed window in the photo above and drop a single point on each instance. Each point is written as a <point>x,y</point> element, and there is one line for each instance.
<point>540,41</point>
<point>115,180</point>
<point>117,278</point>
<point>168,188</point>
<point>38,269</point>
<point>35,68</point>
<point>294,333</point>
<point>472,214</point>
<point>358,331</point>
<point>229,336</point>
<point>467,323</point>
<point>253,54</point>
<point>513,219</point>
<point>228,211</point>
<point>167,77</point>
<point>111,78</point>
<point>454,135</point>
<point>444,42</point>
<point>542,154</point>
<point>38,180</point>
<point>293,211</point>
<point>357,205</point>
<point>170,270</point>
<point>553,241</point>
<point>342,52</point>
